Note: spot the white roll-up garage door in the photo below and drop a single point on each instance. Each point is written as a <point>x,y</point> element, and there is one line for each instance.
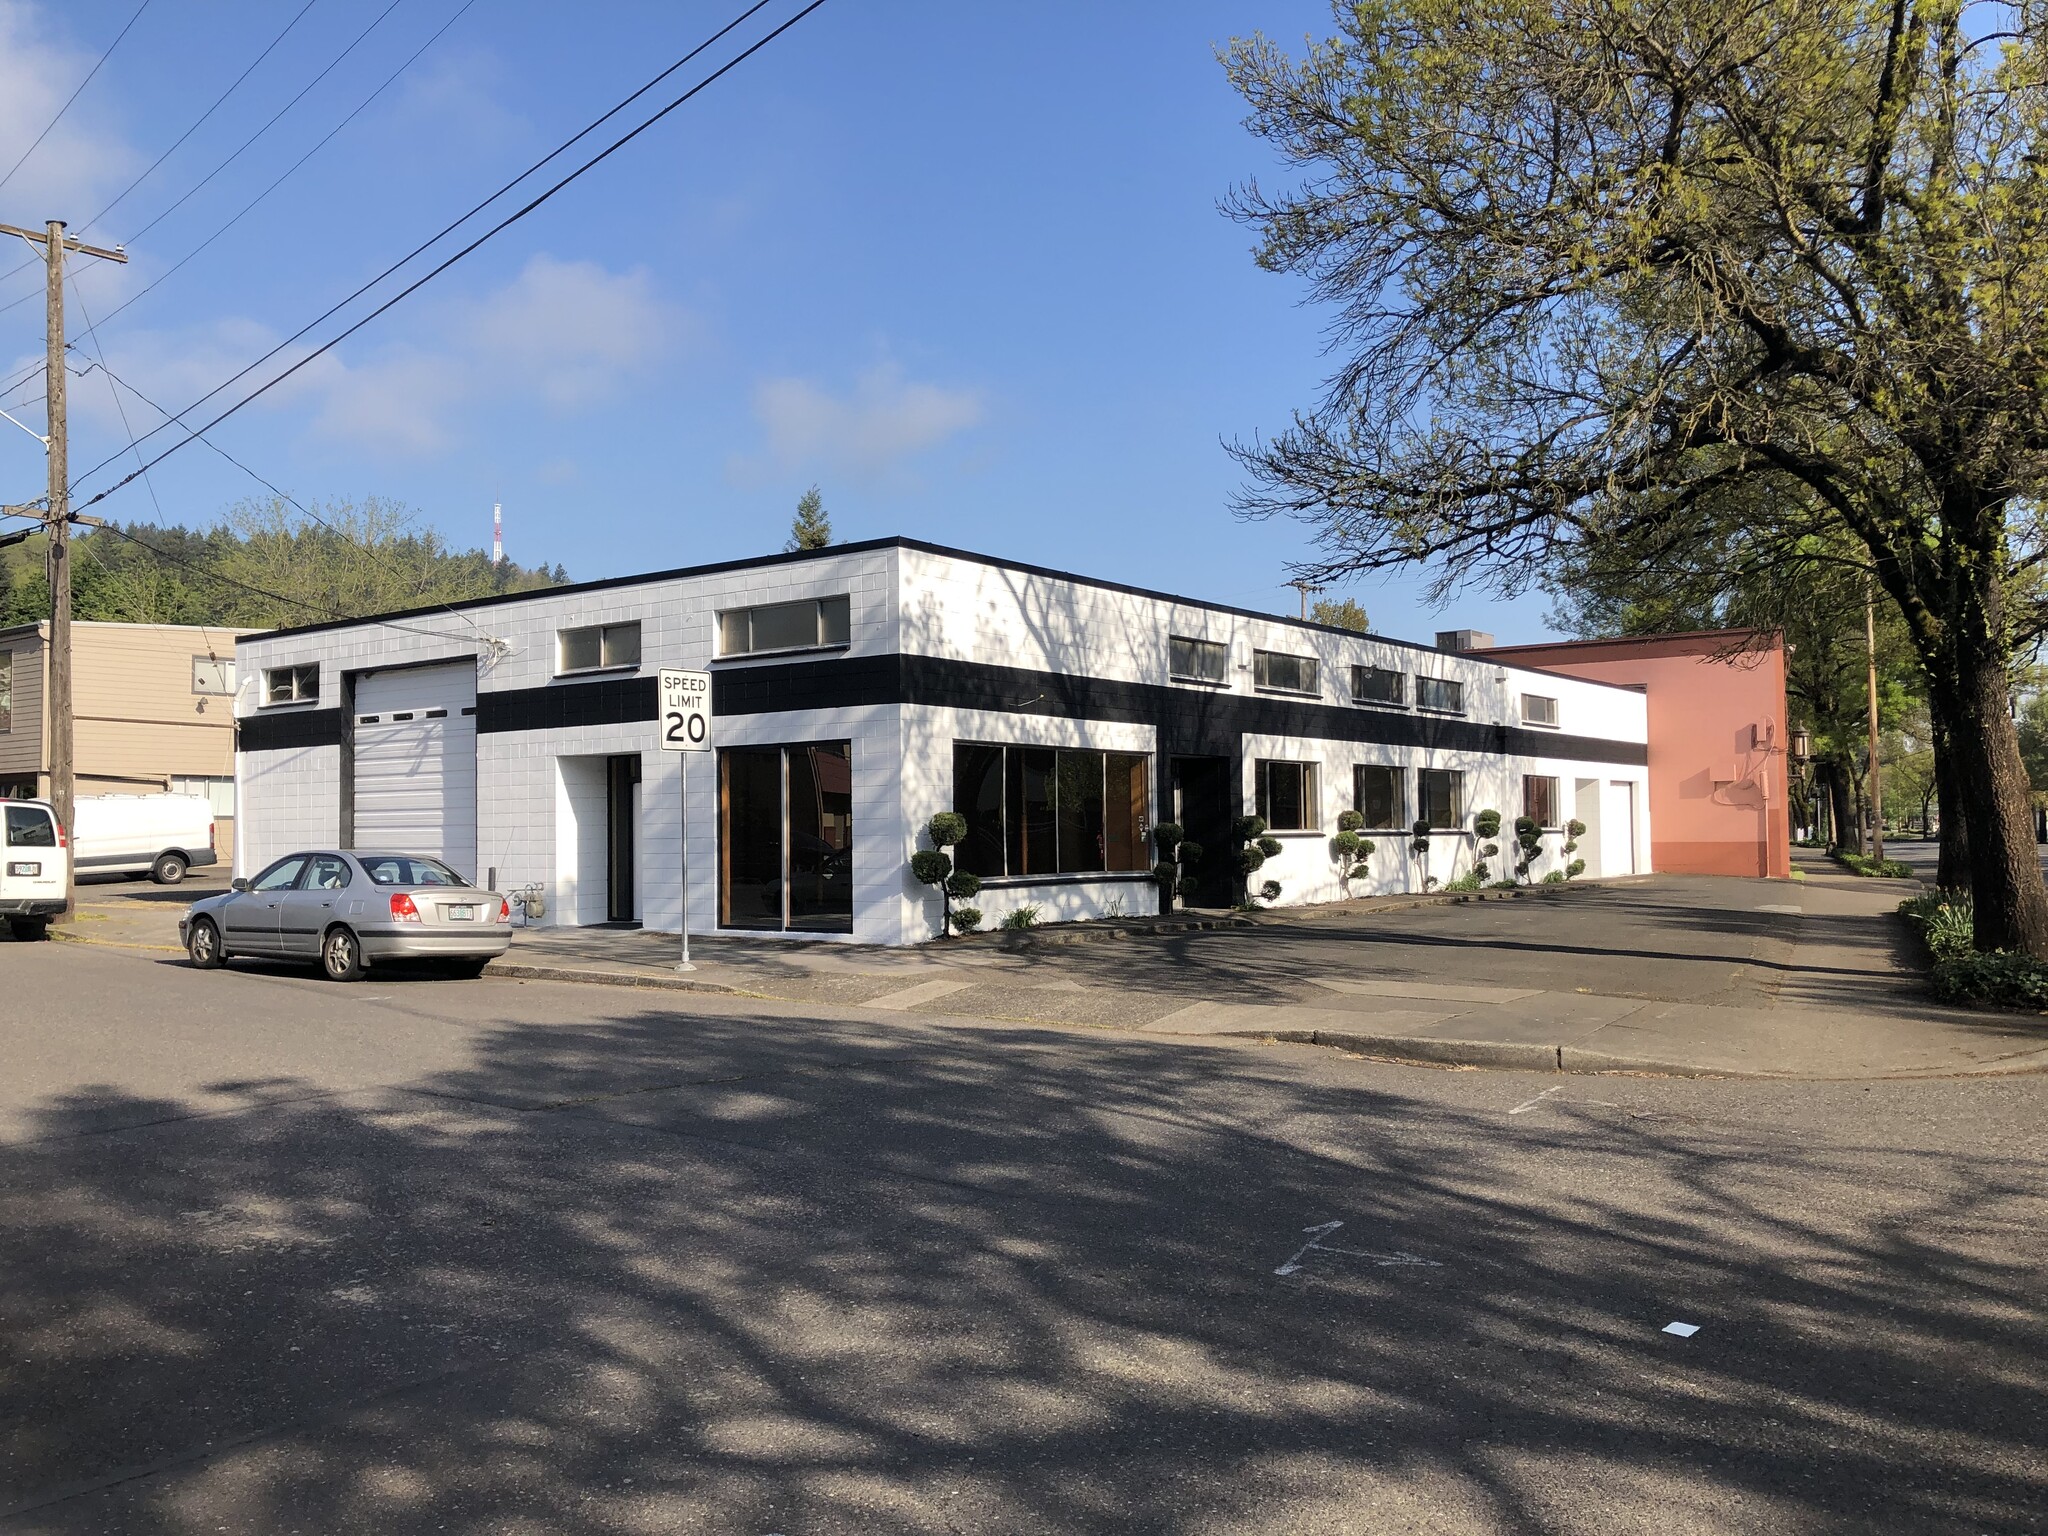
<point>415,776</point>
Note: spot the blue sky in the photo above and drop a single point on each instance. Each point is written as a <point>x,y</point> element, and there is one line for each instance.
<point>960,265</point>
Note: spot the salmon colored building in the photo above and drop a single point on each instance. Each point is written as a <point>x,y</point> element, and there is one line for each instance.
<point>1717,742</point>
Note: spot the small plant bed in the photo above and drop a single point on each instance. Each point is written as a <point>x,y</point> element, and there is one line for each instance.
<point>1102,929</point>
<point>1958,971</point>
<point>1860,864</point>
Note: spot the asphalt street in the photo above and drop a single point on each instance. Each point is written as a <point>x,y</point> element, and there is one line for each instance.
<point>423,1255</point>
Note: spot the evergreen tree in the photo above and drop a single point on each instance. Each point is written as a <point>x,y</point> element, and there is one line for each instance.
<point>812,527</point>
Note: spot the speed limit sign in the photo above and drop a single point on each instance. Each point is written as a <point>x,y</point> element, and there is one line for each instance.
<point>685,711</point>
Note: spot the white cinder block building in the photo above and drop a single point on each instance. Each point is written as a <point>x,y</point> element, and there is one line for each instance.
<point>859,689</point>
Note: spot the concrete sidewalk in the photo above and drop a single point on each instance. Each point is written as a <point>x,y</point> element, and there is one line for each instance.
<point>1806,979</point>
<point>1673,975</point>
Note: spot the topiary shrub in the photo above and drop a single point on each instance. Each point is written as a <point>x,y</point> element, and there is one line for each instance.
<point>1528,845</point>
<point>966,919</point>
<point>1486,826</point>
<point>1576,868</point>
<point>1254,847</point>
<point>1177,860</point>
<point>1555,877</point>
<point>933,866</point>
<point>1350,852</point>
<point>1573,831</point>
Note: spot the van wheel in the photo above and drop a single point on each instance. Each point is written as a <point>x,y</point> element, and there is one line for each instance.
<point>203,945</point>
<point>168,870</point>
<point>28,930</point>
<point>341,955</point>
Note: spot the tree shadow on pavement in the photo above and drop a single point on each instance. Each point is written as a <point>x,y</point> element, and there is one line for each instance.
<point>666,1273</point>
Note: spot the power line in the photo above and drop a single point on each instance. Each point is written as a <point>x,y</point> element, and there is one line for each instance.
<point>74,95</point>
<point>199,122</point>
<point>289,171</point>
<point>503,224</point>
<point>446,229</point>
<point>122,410</point>
<point>196,125</point>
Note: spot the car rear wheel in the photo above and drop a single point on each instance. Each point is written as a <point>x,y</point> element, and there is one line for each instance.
<point>28,930</point>
<point>203,945</point>
<point>168,870</point>
<point>341,955</point>
<point>465,968</point>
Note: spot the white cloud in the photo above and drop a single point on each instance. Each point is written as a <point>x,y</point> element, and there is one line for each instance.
<point>885,421</point>
<point>77,165</point>
<point>562,335</point>
<point>570,332</point>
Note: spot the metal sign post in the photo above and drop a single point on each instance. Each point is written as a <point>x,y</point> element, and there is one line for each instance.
<point>685,726</point>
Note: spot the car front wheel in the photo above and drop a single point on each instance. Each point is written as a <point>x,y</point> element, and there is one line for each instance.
<point>341,955</point>
<point>203,945</point>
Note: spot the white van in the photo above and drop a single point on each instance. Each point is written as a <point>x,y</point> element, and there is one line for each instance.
<point>32,866</point>
<point>161,836</point>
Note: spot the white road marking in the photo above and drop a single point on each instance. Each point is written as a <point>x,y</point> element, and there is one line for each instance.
<point>1316,1244</point>
<point>1785,911</point>
<point>1524,1108</point>
<point>1683,1330</point>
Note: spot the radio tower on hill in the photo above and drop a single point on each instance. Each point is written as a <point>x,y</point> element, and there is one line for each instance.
<point>497,533</point>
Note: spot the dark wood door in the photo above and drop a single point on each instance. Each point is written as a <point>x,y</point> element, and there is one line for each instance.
<point>1205,803</point>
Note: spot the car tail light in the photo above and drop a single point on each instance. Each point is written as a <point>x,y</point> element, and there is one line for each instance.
<point>402,909</point>
<point>60,834</point>
<point>504,910</point>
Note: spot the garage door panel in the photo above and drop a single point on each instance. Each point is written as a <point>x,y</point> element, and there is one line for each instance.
<point>415,762</point>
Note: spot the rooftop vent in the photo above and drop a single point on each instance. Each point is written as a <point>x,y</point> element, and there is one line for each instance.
<point>1463,640</point>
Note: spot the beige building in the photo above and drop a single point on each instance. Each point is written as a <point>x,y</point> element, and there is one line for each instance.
<point>153,706</point>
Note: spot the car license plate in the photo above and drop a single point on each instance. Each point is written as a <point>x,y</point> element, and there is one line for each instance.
<point>26,871</point>
<point>460,914</point>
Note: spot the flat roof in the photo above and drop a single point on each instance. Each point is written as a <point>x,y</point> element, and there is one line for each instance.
<point>868,546</point>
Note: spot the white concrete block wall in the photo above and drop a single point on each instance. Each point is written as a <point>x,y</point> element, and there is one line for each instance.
<point>289,800</point>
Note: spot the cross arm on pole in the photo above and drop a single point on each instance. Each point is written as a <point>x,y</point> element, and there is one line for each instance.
<point>118,253</point>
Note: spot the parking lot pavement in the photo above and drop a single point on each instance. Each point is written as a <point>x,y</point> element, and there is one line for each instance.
<point>426,1256</point>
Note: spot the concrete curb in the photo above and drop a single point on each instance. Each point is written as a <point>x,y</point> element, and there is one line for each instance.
<point>519,971</point>
<point>1572,1060</point>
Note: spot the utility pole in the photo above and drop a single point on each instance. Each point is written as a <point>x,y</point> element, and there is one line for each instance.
<point>1876,773</point>
<point>1304,586</point>
<point>57,519</point>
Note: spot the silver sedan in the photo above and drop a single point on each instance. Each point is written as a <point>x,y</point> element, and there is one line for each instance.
<point>349,910</point>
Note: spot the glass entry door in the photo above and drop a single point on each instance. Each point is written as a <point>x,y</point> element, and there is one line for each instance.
<point>785,838</point>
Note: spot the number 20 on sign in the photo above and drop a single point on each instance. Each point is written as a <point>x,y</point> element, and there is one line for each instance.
<point>685,711</point>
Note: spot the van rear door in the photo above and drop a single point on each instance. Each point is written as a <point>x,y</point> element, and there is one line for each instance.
<point>33,860</point>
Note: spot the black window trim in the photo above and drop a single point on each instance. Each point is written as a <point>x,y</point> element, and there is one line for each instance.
<point>1311,793</point>
<point>819,647</point>
<point>1190,677</point>
<point>1362,702</point>
<point>1400,773</point>
<point>267,702</point>
<point>1439,709</point>
<point>1146,760</point>
<point>618,667</point>
<point>1290,693</point>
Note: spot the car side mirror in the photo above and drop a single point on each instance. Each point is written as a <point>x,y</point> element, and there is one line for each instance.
<point>239,883</point>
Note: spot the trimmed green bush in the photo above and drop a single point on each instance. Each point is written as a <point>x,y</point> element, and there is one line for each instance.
<point>934,866</point>
<point>1860,864</point>
<point>966,919</point>
<point>1486,827</point>
<point>1555,877</point>
<point>1350,852</point>
<point>2013,981</point>
<point>1468,881</point>
<point>1576,868</point>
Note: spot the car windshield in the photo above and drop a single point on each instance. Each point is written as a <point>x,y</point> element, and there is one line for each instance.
<point>396,869</point>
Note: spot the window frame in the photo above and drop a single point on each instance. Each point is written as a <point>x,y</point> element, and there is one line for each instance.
<point>6,692</point>
<point>1530,719</point>
<point>299,696</point>
<point>227,672</point>
<point>819,627</point>
<point>1220,647</point>
<point>1400,698</point>
<point>9,811</point>
<point>1400,821</point>
<point>1311,793</point>
<point>1009,793</point>
<point>1456,776</point>
<point>1456,685</point>
<point>603,632</point>
<point>1555,821</point>
<point>1315,671</point>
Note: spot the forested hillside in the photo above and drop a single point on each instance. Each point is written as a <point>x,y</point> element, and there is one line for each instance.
<point>268,564</point>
